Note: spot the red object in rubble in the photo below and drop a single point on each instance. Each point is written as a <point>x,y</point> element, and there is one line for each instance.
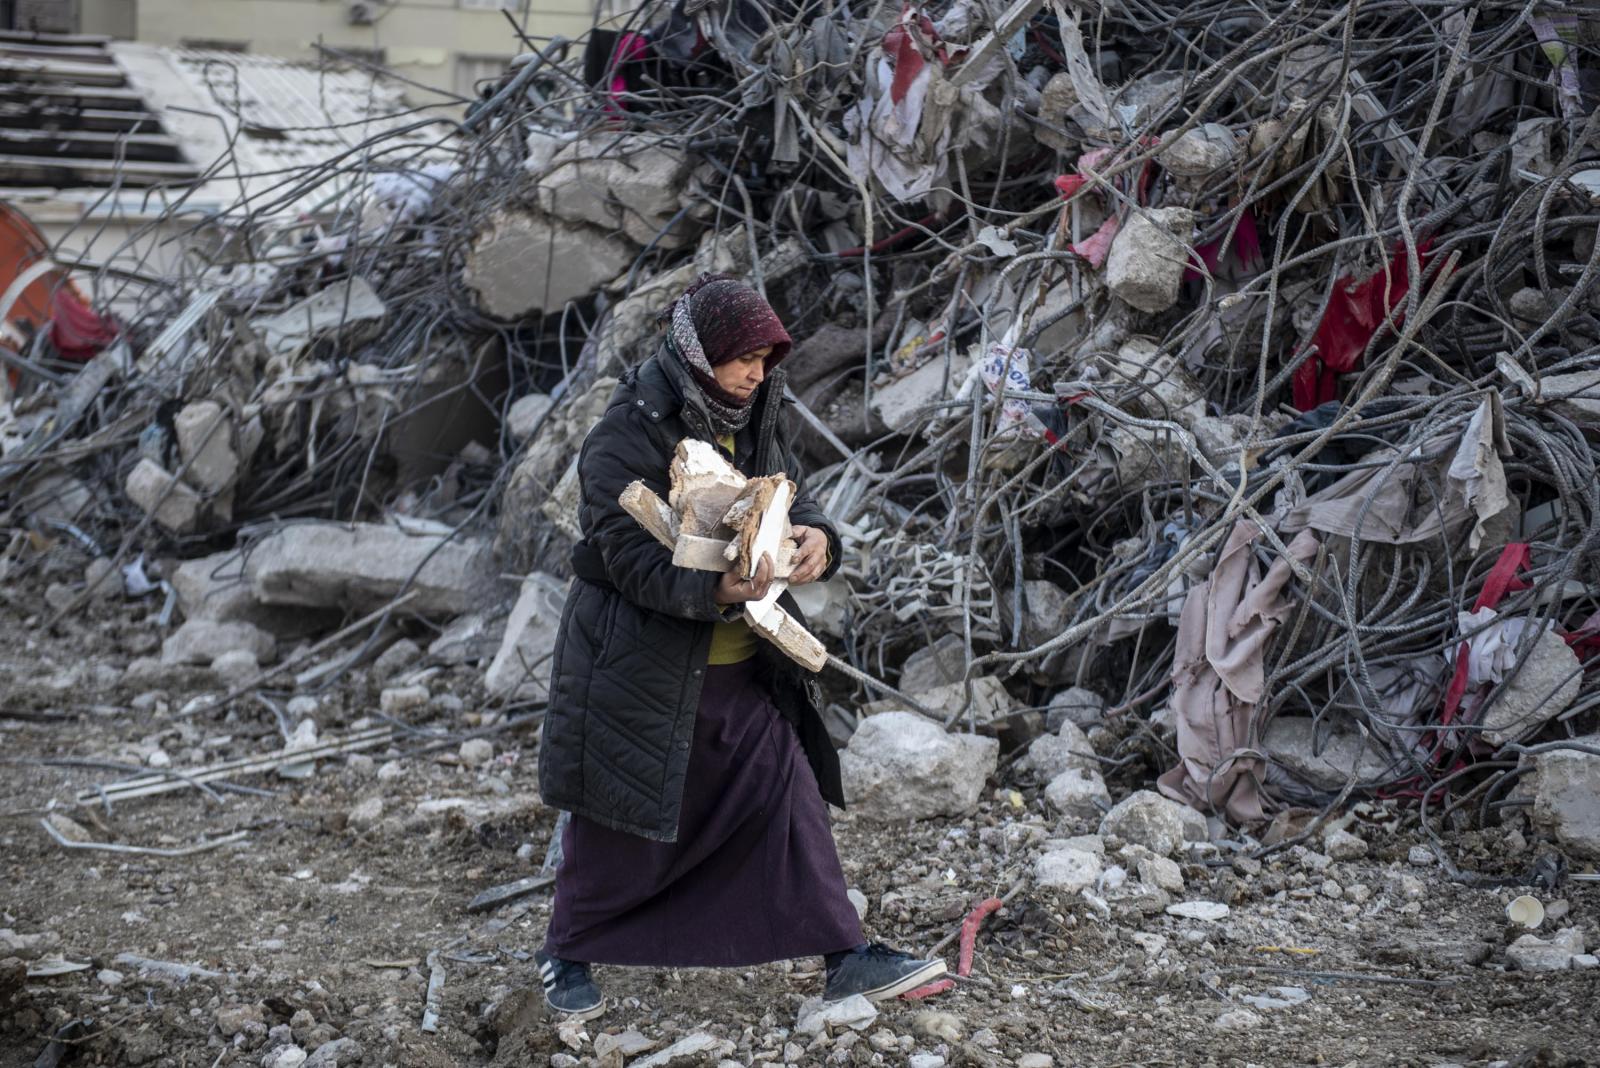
<point>1354,314</point>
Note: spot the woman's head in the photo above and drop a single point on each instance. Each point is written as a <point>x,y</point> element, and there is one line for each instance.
<point>741,336</point>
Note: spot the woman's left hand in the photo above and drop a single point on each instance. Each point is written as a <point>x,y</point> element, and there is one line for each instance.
<point>811,558</point>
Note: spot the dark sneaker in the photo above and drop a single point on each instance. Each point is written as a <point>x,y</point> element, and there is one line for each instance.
<point>879,973</point>
<point>568,989</point>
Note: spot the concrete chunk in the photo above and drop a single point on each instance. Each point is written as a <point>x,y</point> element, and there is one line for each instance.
<point>205,440</point>
<point>1545,685</point>
<point>1068,870</point>
<point>1148,257</point>
<point>523,663</point>
<point>363,566</point>
<point>175,506</point>
<point>1160,824</point>
<point>524,262</point>
<point>201,641</point>
<point>902,766</point>
<point>1566,798</point>
<point>342,309</point>
<point>1079,794</point>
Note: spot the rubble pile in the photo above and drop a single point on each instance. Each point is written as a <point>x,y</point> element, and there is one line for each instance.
<point>1215,386</point>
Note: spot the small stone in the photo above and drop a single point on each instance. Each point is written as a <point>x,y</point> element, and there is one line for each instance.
<point>1331,889</point>
<point>1036,1060</point>
<point>1557,910</point>
<point>525,413</point>
<point>201,641</point>
<point>823,1017</point>
<point>1311,860</point>
<point>391,770</point>
<point>1161,825</point>
<point>232,1019</point>
<point>284,1057</point>
<point>109,977</point>
<point>398,699</point>
<point>859,900</point>
<point>336,1053</point>
<point>1237,1020</point>
<point>884,1041</point>
<point>564,1060</point>
<point>1342,845</point>
<point>303,706</point>
<point>301,1024</point>
<point>159,759</point>
<point>1067,870</point>
<point>1278,997</point>
<point>69,828</point>
<point>1249,867</point>
<point>1210,911</point>
<point>925,1060</point>
<point>1078,794</point>
<point>236,667</point>
<point>1585,961</point>
<point>1421,857</point>
<point>1412,888</point>
<point>1360,893</point>
<point>476,752</point>
<point>1083,708</point>
<point>101,579</point>
<point>361,764</point>
<point>399,658</point>
<point>366,815</point>
<point>1162,873</point>
<point>1151,943</point>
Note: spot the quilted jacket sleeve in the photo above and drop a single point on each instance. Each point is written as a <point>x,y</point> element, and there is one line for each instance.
<point>619,451</point>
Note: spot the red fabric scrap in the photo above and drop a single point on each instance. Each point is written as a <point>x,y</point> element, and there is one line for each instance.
<point>1501,580</point>
<point>1354,314</point>
<point>77,332</point>
<point>969,938</point>
<point>1246,250</point>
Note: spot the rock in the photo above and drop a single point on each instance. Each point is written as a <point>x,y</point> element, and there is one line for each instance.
<point>367,814</point>
<point>937,665</point>
<point>925,1060</point>
<point>1342,845</point>
<point>901,766</point>
<point>1277,997</point>
<point>363,566</point>
<point>1160,872</point>
<point>1566,798</point>
<point>69,828</point>
<point>1036,1060</point>
<point>1585,961</point>
<point>522,665</point>
<point>1237,1020</point>
<point>1420,856</point>
<point>102,580</point>
<point>109,977</point>
<point>216,587</point>
<point>1159,824</point>
<point>59,596</point>
<point>236,667</point>
<point>399,658</point>
<point>1158,385</point>
<point>1202,151</point>
<point>158,493</point>
<point>689,1050</point>
<point>525,413</point>
<point>391,770</point>
<point>201,641</point>
<point>338,1053</point>
<point>1054,754</point>
<point>399,699</point>
<point>1067,870</point>
<point>990,701</point>
<point>522,262</point>
<point>903,403</point>
<point>1083,708</point>
<point>205,441</point>
<point>1530,953</point>
<point>822,1017</point>
<point>1326,762</point>
<point>466,639</point>
<point>1209,911</point>
<point>628,1043</point>
<point>628,183</point>
<point>1078,794</point>
<point>476,752</point>
<point>284,1057</point>
<point>1152,944</point>
<point>1046,612</point>
<point>859,900</point>
<point>349,311</point>
<point>1545,685</point>
<point>1148,257</point>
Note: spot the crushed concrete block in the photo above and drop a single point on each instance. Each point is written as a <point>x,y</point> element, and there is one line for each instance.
<point>1046,611</point>
<point>345,309</point>
<point>635,185</point>
<point>1545,685</point>
<point>1291,740</point>
<point>201,641</point>
<point>1079,794</point>
<point>476,752</point>
<point>899,766</point>
<point>1148,257</point>
<point>1067,870</point>
<point>205,441</point>
<point>363,566</point>
<point>175,506</point>
<point>1053,754</point>
<point>990,701</point>
<point>522,664</point>
<point>936,665</point>
<point>525,413</point>
<point>1160,824</point>
<point>1075,705</point>
<point>1566,798</point>
<point>1158,385</point>
<point>523,262</point>
<point>214,587</point>
<point>903,403</point>
<point>818,1017</point>
<point>1530,953</point>
<point>1161,873</point>
<point>1202,151</point>
<point>1342,845</point>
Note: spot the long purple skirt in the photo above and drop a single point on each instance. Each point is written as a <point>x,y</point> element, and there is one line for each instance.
<point>754,875</point>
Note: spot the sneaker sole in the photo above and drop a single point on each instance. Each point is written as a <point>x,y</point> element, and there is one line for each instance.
<point>932,970</point>
<point>576,1014</point>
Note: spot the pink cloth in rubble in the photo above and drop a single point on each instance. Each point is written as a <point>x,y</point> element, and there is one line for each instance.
<point>1219,671</point>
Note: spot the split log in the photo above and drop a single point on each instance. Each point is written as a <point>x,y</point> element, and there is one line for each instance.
<point>641,502</point>
<point>704,486</point>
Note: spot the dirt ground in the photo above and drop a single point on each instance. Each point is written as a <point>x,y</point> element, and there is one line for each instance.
<point>318,924</point>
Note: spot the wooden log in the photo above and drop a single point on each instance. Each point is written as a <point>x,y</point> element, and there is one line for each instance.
<point>764,524</point>
<point>702,554</point>
<point>641,502</point>
<point>704,486</point>
<point>792,640</point>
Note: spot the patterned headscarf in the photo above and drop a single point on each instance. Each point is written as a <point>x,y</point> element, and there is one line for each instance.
<point>718,319</point>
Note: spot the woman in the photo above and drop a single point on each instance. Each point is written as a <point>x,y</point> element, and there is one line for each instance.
<point>690,753</point>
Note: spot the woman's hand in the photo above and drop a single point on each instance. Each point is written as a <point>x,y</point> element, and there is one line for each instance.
<point>731,589</point>
<point>811,558</point>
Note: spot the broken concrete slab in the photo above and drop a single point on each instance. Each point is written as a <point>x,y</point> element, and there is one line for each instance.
<point>205,441</point>
<point>467,639</point>
<point>1202,151</point>
<point>363,566</point>
<point>933,666</point>
<point>523,262</point>
<point>900,765</point>
<point>344,309</point>
<point>201,641</point>
<point>522,664</point>
<point>1158,823</point>
<point>1566,797</point>
<point>1326,762</point>
<point>1148,257</point>
<point>174,505</point>
<point>904,402</point>
<point>632,184</point>
<point>1546,683</point>
<point>1530,953</point>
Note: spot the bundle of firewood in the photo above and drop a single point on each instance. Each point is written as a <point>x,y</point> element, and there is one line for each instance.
<point>716,519</point>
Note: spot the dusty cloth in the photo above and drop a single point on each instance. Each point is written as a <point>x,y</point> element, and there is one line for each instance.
<point>753,876</point>
<point>718,319</point>
<point>1219,672</point>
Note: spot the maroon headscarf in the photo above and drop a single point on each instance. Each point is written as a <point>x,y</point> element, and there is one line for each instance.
<point>718,319</point>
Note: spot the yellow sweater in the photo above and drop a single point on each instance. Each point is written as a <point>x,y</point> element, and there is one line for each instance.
<point>731,643</point>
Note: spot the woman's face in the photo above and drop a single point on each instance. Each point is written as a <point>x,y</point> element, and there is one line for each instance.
<point>742,377</point>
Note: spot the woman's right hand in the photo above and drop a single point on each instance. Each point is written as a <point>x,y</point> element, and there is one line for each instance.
<point>731,589</point>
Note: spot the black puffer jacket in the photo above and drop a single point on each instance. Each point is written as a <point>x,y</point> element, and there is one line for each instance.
<point>631,656</point>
